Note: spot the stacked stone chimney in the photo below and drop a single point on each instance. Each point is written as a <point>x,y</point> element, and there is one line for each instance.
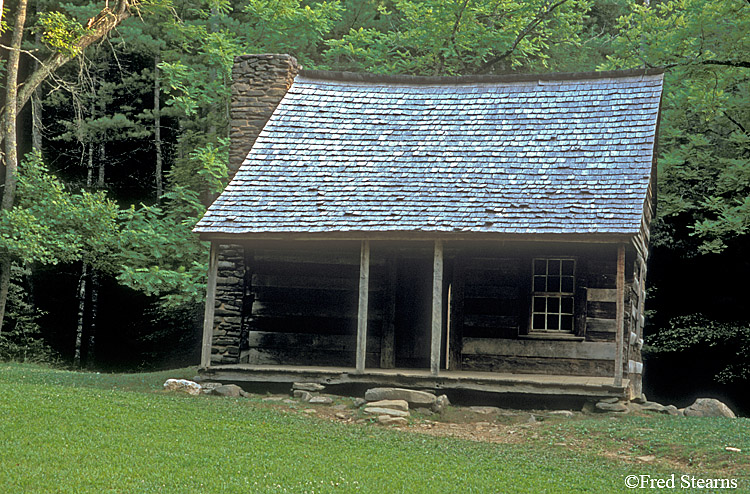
<point>259,84</point>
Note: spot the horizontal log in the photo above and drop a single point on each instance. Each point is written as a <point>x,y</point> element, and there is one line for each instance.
<point>601,295</point>
<point>509,265</point>
<point>307,256</point>
<point>601,310</point>
<point>488,321</point>
<point>292,280</point>
<point>539,348</point>
<point>317,325</point>
<point>480,332</point>
<point>280,356</point>
<point>322,342</point>
<point>312,269</point>
<point>601,325</point>
<point>596,336</point>
<point>492,291</point>
<point>312,296</point>
<point>278,309</point>
<point>537,365</point>
<point>475,277</point>
<point>491,307</point>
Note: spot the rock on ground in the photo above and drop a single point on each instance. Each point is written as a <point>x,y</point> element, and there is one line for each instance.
<point>228,390</point>
<point>312,387</point>
<point>388,420</point>
<point>563,413</point>
<point>321,400</point>
<point>485,410</point>
<point>709,407</point>
<point>182,385</point>
<point>302,395</point>
<point>441,403</point>
<point>415,398</point>
<point>603,406</point>
<point>402,405</point>
<point>386,411</point>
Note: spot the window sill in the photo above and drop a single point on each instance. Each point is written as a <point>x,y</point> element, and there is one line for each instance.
<point>551,336</point>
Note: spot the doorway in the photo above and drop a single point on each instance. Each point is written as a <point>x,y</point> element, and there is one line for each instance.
<point>413,312</point>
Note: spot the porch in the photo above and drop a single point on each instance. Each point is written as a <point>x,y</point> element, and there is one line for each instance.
<point>447,381</point>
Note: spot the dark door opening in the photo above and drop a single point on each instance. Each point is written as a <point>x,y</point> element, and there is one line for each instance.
<point>413,312</point>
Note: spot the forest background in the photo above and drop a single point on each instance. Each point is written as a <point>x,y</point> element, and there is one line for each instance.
<point>121,138</point>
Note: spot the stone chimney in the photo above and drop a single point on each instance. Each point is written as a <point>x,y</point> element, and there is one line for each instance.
<point>259,82</point>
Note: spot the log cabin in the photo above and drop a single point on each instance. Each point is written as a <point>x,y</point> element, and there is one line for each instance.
<point>484,232</point>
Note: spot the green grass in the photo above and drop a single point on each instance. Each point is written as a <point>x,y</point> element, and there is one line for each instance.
<point>74,432</point>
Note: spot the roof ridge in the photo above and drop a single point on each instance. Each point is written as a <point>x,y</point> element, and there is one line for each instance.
<point>468,79</point>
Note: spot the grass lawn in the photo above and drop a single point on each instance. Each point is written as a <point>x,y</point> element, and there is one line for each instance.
<point>75,432</point>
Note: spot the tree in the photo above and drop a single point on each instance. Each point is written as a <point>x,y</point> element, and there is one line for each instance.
<point>436,37</point>
<point>67,40</point>
<point>704,163</point>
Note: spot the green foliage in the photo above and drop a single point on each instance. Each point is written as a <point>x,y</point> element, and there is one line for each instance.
<point>159,253</point>
<point>60,32</point>
<point>704,166</point>
<point>696,334</point>
<point>51,225</point>
<point>212,164</point>
<point>272,21</point>
<point>434,37</point>
<point>20,339</point>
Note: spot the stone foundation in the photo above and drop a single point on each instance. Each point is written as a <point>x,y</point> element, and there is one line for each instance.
<point>230,292</point>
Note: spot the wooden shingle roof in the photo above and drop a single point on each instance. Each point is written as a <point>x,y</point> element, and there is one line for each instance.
<point>565,153</point>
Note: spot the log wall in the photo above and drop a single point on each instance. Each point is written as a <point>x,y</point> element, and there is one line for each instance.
<point>490,323</point>
<point>304,306</point>
<point>297,304</point>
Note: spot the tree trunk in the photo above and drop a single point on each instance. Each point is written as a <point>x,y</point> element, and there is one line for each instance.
<point>98,27</point>
<point>36,106</point>
<point>92,323</point>
<point>90,167</point>
<point>102,163</point>
<point>77,357</point>
<point>157,127</point>
<point>9,127</point>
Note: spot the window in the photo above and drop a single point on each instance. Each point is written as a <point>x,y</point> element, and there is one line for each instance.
<point>552,299</point>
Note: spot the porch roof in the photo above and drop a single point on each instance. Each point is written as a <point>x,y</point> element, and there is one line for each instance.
<point>557,153</point>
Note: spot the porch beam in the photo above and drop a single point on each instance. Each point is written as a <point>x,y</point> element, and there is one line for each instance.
<point>208,315</point>
<point>620,319</point>
<point>437,308</point>
<point>364,285</point>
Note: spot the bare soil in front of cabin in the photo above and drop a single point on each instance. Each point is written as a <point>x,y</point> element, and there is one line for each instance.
<point>504,426</point>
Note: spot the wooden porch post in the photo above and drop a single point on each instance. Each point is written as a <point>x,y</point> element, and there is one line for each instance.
<point>620,319</point>
<point>208,317</point>
<point>437,308</point>
<point>364,282</point>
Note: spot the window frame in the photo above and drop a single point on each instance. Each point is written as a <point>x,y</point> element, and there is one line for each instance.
<point>565,296</point>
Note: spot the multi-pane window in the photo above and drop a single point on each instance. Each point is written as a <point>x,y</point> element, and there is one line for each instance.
<point>552,298</point>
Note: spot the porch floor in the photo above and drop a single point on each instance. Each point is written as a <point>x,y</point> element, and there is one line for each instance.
<point>492,382</point>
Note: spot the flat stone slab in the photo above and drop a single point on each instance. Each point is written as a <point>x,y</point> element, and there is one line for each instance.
<point>413,397</point>
<point>402,405</point>
<point>603,406</point>
<point>320,400</point>
<point>386,411</point>
<point>312,387</point>
<point>388,420</point>
<point>485,410</point>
